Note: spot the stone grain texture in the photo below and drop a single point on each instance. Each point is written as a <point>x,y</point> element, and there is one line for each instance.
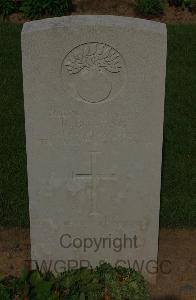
<point>94,104</point>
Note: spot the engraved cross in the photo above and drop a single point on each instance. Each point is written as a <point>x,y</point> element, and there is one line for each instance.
<point>94,177</point>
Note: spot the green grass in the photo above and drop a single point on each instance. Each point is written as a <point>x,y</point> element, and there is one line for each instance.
<point>178,194</point>
<point>13,174</point>
<point>178,197</point>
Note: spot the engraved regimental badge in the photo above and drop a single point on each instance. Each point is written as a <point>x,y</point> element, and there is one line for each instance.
<point>94,72</point>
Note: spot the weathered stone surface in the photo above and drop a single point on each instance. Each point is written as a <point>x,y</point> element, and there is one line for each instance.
<point>94,102</point>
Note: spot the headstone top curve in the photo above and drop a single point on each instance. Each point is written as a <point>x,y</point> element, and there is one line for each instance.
<point>100,20</point>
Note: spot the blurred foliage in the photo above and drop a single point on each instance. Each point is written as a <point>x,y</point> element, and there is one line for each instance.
<point>80,284</point>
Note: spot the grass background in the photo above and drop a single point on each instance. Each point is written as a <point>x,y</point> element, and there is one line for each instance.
<point>178,193</point>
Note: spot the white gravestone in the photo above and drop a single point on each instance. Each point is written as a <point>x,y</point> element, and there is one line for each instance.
<point>94,103</point>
